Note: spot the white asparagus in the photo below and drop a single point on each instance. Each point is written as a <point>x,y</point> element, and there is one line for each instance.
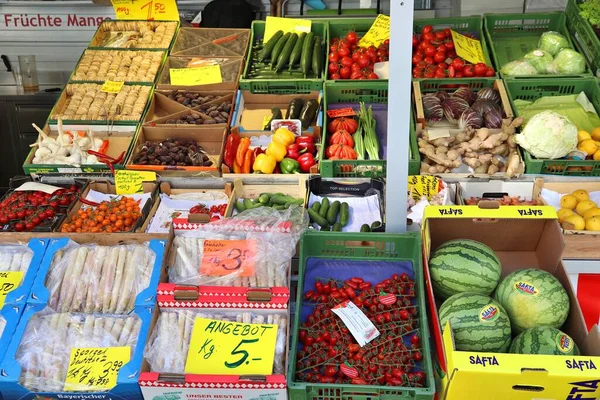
<point>48,351</point>
<point>27,256</point>
<point>98,330</point>
<point>128,288</point>
<point>187,334</point>
<point>160,341</point>
<point>58,367</point>
<point>135,333</point>
<point>106,282</point>
<point>70,280</point>
<point>146,263</point>
<point>115,287</point>
<point>126,331</point>
<point>116,330</point>
<point>95,268</point>
<point>85,280</point>
<point>15,263</point>
<point>108,325</point>
<point>181,332</point>
<point>6,261</point>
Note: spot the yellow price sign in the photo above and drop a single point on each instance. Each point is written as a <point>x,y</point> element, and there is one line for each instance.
<point>157,10</point>
<point>285,25</point>
<point>112,87</point>
<point>467,48</point>
<point>378,33</point>
<point>524,212</point>
<point>423,185</point>
<point>196,76</point>
<point>231,348</point>
<point>95,368</point>
<point>130,182</point>
<point>9,281</point>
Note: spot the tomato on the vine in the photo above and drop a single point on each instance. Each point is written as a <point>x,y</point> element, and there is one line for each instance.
<point>343,52</point>
<point>345,72</point>
<point>468,71</point>
<point>489,72</point>
<point>333,67</point>
<point>439,57</point>
<point>440,35</point>
<point>429,51</point>
<point>364,61</point>
<point>480,69</point>
<point>334,57</point>
<point>427,29</point>
<point>458,64</point>
<point>351,37</point>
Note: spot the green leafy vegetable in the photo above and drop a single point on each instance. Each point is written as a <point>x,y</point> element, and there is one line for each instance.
<point>553,42</point>
<point>368,123</point>
<point>548,135</point>
<point>590,10</point>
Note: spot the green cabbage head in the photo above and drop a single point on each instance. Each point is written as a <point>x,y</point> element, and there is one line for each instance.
<point>548,135</point>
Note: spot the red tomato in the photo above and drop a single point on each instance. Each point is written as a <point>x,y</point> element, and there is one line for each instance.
<point>449,45</point>
<point>423,44</point>
<point>356,75</point>
<point>448,32</point>
<point>480,69</point>
<point>430,51</point>
<point>427,29</point>
<point>335,76</point>
<point>441,48</point>
<point>351,37</point>
<point>439,57</point>
<point>468,71</point>
<point>372,54</point>
<point>364,61</point>
<point>372,75</point>
<point>429,74</point>
<point>429,36</point>
<point>458,74</point>
<point>417,73</point>
<point>333,67</point>
<point>19,226</point>
<point>429,60</point>
<point>490,71</point>
<point>416,58</point>
<point>346,61</point>
<point>415,41</point>
<point>343,52</point>
<point>458,64</point>
<point>345,72</point>
<point>440,74</point>
<point>334,57</point>
<point>355,67</point>
<point>440,35</point>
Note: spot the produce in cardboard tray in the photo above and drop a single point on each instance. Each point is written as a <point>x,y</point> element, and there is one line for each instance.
<point>45,348</point>
<point>306,112</point>
<point>191,99</point>
<point>118,65</point>
<point>99,279</point>
<point>434,56</point>
<point>349,61</point>
<point>277,201</point>
<point>203,115</point>
<point>464,266</point>
<point>478,323</point>
<point>168,346</point>
<point>533,298</point>
<point>578,212</point>
<point>544,340</point>
<point>136,34</point>
<point>117,215</point>
<point>179,152</point>
<point>548,135</point>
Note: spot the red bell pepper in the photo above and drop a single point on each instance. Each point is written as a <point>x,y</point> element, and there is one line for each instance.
<point>308,143</point>
<point>306,161</point>
<point>294,151</point>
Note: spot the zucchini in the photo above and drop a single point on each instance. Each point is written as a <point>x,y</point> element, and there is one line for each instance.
<point>309,113</point>
<point>284,56</point>
<point>279,48</point>
<point>268,47</point>
<point>294,108</point>
<point>297,51</point>
<point>306,56</point>
<point>275,114</point>
<point>317,57</point>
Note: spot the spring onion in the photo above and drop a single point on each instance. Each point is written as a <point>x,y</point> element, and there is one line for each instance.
<point>368,124</point>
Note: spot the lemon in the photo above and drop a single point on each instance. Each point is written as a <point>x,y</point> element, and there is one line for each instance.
<point>581,195</point>
<point>592,212</point>
<point>597,156</point>
<point>588,146</point>
<point>577,221</point>
<point>584,205</point>
<point>568,201</point>
<point>564,213</point>
<point>593,224</point>
<point>583,135</point>
<point>596,134</point>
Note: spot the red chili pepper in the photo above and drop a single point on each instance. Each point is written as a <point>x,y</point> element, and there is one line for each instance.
<point>306,161</point>
<point>307,142</point>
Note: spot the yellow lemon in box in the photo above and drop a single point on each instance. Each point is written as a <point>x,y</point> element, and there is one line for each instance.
<point>596,134</point>
<point>593,224</point>
<point>588,146</point>
<point>581,195</point>
<point>577,222</point>
<point>583,135</point>
<point>584,206</point>
<point>597,156</point>
<point>568,201</point>
<point>564,213</point>
<point>592,212</point>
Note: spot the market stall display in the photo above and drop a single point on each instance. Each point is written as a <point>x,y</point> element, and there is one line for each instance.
<point>118,65</point>
<point>230,69</point>
<point>211,42</point>
<point>135,34</point>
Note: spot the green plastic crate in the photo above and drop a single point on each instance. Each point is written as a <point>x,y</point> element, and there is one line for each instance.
<point>583,34</point>
<point>282,86</point>
<point>511,36</point>
<point>463,25</point>
<point>367,92</point>
<point>533,89</point>
<point>372,247</point>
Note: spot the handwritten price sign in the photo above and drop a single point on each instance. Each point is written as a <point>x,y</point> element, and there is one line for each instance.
<point>224,257</point>
<point>9,281</point>
<point>467,48</point>
<point>158,10</point>
<point>130,182</point>
<point>95,368</point>
<point>196,76</point>
<point>231,348</point>
<point>421,185</point>
<point>112,87</point>
<point>378,33</point>
<point>274,24</point>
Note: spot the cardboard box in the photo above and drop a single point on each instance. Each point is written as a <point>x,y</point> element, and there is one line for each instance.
<point>231,71</point>
<point>262,139</point>
<point>492,189</point>
<point>522,237</point>
<point>252,109</point>
<point>161,106</point>
<point>109,188</point>
<point>159,244</point>
<point>186,222</point>
<point>127,387</point>
<point>175,107</point>
<point>579,244</point>
<point>585,278</point>
<point>210,139</point>
<point>120,143</point>
<point>192,386</point>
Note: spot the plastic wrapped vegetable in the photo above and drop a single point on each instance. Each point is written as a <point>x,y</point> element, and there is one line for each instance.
<point>548,135</point>
<point>569,61</point>
<point>540,60</point>
<point>518,68</point>
<point>553,42</point>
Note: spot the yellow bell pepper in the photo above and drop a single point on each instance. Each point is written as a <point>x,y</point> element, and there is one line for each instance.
<point>264,163</point>
<point>283,136</point>
<point>276,150</point>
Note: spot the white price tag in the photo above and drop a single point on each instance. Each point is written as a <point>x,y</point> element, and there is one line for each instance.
<point>356,321</point>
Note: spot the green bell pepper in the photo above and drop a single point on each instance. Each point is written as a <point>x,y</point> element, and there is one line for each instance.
<point>289,166</point>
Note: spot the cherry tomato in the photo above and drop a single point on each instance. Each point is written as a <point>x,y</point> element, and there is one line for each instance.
<point>29,226</point>
<point>356,75</point>
<point>429,36</point>
<point>364,61</point>
<point>448,32</point>
<point>415,41</point>
<point>429,74</point>
<point>440,74</point>
<point>346,61</point>
<point>345,73</point>
<point>468,71</point>
<point>372,54</point>
<point>3,219</point>
<point>343,52</point>
<point>355,67</point>
<point>439,57</point>
<point>429,51</point>
<point>480,69</point>
<point>19,227</point>
<point>333,67</point>
<point>490,71</point>
<point>441,49</point>
<point>458,64</point>
<point>424,44</point>
<point>429,60</point>
<point>459,74</point>
<point>351,37</point>
<point>449,45</point>
<point>427,29</point>
<point>440,35</point>
<point>334,57</point>
<point>416,58</point>
<point>50,213</point>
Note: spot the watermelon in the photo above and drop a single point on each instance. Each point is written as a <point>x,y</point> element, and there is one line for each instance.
<point>479,323</point>
<point>544,340</point>
<point>464,265</point>
<point>532,298</point>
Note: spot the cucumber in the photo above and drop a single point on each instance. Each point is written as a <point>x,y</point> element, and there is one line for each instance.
<point>375,225</point>
<point>316,206</point>
<point>239,206</point>
<point>318,219</point>
<point>333,211</point>
<point>269,46</point>
<point>344,214</point>
<point>279,48</point>
<point>284,56</point>
<point>337,227</point>
<point>264,198</point>
<point>297,51</point>
<point>365,228</point>
<point>317,57</point>
<point>306,56</point>
<point>324,207</point>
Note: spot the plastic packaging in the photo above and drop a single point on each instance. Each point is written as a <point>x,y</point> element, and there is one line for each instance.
<point>169,342</point>
<point>91,278</point>
<point>518,67</point>
<point>540,60</point>
<point>569,61</point>
<point>293,220</point>
<point>2,325</point>
<point>553,42</point>
<point>14,258</point>
<point>45,348</point>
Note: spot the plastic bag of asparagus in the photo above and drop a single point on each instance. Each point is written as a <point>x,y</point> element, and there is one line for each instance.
<point>19,263</point>
<point>44,351</point>
<point>94,278</point>
<point>293,221</point>
<point>232,259</point>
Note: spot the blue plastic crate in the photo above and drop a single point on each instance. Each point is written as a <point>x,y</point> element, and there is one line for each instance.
<point>11,314</point>
<point>20,294</point>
